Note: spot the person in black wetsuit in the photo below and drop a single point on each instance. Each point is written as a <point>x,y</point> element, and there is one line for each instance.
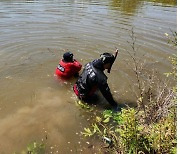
<point>93,78</point>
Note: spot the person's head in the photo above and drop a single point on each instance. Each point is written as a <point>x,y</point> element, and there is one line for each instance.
<point>107,60</point>
<point>68,57</point>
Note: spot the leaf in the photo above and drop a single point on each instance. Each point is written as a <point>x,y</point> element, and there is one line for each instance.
<point>96,128</point>
<point>98,119</point>
<point>140,128</point>
<point>35,148</point>
<point>107,113</point>
<point>105,131</point>
<point>84,105</point>
<point>118,130</point>
<point>87,132</point>
<point>107,120</point>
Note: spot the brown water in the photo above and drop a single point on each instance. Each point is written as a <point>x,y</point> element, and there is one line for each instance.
<point>34,34</point>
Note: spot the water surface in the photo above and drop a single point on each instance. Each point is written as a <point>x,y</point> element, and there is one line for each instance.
<point>33,36</point>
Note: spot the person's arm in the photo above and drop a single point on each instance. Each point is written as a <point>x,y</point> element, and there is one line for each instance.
<point>105,90</point>
<point>76,66</point>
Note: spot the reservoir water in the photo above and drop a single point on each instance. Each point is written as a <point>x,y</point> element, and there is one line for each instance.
<point>34,34</point>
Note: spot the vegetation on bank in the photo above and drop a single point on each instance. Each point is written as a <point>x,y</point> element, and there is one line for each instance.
<point>34,148</point>
<point>149,128</point>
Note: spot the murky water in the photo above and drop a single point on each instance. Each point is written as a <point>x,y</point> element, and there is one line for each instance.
<point>33,36</point>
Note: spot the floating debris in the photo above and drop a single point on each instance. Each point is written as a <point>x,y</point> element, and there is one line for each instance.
<point>8,77</point>
<point>87,142</point>
<point>166,34</point>
<point>107,140</point>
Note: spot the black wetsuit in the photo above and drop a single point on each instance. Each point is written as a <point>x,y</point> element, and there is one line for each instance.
<point>92,78</point>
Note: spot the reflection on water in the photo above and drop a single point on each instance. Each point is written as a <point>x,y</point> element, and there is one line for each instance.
<point>33,37</point>
<point>164,2</point>
<point>130,7</point>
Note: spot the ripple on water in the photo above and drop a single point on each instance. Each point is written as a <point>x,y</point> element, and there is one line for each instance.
<point>35,34</point>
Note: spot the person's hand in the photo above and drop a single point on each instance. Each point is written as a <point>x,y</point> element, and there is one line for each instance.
<point>117,108</point>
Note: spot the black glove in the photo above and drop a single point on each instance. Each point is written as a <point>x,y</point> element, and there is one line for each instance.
<point>117,108</point>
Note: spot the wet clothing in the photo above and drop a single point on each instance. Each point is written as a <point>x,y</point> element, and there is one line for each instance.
<point>67,69</point>
<point>92,78</point>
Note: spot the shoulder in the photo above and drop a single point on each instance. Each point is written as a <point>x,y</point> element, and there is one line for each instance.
<point>101,77</point>
<point>75,61</point>
<point>90,72</point>
<point>77,64</point>
<point>62,62</point>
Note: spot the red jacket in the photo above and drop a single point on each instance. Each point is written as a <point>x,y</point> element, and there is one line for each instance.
<point>68,69</point>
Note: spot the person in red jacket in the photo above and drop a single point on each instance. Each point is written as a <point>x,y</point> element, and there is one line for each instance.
<point>68,67</point>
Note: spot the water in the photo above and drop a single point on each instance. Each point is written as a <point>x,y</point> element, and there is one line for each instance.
<point>34,35</point>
